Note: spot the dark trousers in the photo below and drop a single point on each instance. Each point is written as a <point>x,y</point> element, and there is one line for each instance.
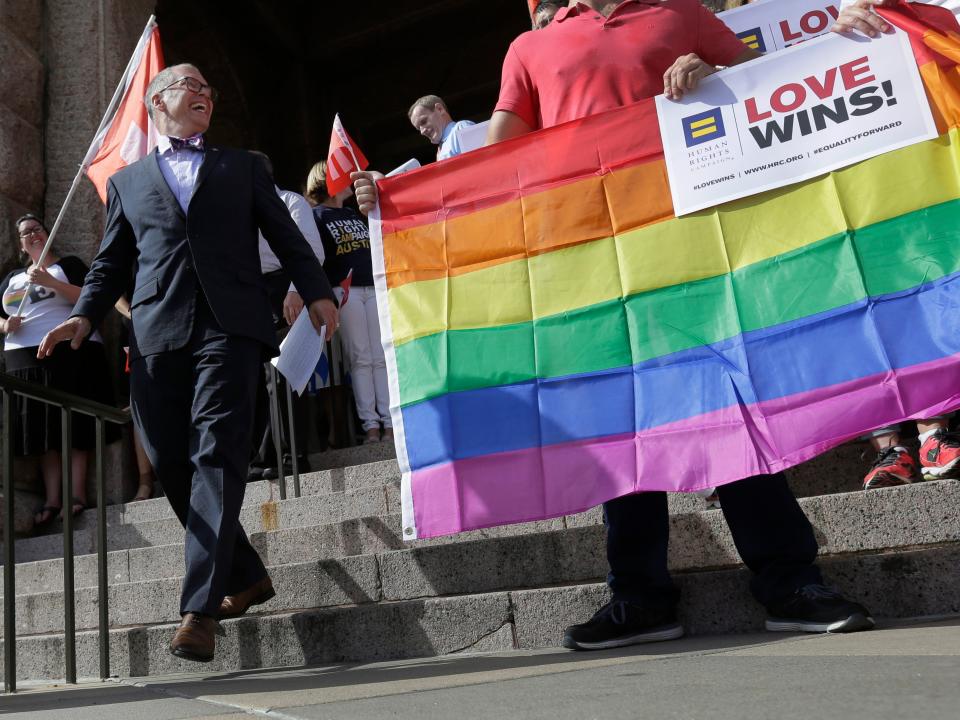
<point>194,408</point>
<point>771,533</point>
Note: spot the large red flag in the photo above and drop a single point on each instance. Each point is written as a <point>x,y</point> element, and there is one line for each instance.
<point>129,134</point>
<point>344,158</point>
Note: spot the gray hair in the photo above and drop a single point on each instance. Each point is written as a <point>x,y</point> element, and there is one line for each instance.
<point>428,102</point>
<point>163,78</point>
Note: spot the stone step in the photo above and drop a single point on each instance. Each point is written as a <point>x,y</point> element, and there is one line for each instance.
<point>141,524</point>
<point>910,583</point>
<point>362,536</point>
<point>356,455</point>
<point>847,524</point>
<point>812,478</point>
<point>370,501</point>
<point>867,521</point>
<point>319,482</point>
<point>837,471</point>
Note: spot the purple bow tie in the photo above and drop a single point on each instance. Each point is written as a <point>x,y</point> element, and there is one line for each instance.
<point>190,143</point>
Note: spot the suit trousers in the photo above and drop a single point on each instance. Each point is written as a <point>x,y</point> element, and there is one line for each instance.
<point>194,409</point>
<point>770,531</point>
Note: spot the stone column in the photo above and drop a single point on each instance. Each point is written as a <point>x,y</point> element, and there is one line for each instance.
<point>21,160</point>
<point>88,44</point>
<point>21,118</point>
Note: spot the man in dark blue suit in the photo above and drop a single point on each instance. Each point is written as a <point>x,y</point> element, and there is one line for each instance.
<point>183,221</point>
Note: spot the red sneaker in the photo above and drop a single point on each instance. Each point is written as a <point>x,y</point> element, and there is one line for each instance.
<point>893,466</point>
<point>940,456</point>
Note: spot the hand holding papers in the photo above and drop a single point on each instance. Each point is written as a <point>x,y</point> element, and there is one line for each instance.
<point>299,352</point>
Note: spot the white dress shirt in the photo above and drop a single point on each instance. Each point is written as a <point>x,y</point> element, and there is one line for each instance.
<point>302,215</point>
<point>179,168</point>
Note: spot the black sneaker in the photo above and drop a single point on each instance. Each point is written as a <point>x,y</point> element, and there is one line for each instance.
<point>818,608</point>
<point>620,623</point>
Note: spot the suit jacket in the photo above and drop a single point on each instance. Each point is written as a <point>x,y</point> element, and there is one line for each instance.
<point>213,244</point>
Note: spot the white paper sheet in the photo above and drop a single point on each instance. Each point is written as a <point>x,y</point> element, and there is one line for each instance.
<point>300,352</point>
<point>411,164</point>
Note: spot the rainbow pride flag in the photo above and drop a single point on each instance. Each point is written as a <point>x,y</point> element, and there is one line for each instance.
<point>556,337</point>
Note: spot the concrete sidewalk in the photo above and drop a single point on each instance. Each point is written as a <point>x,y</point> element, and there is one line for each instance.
<point>898,671</point>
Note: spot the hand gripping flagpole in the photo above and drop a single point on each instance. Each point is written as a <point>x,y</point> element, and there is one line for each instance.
<point>93,149</point>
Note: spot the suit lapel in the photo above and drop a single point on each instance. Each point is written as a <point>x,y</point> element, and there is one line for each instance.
<point>160,183</point>
<point>210,159</point>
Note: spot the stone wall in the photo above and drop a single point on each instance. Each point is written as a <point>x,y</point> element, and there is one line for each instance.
<point>59,65</point>
<point>88,44</point>
<point>21,118</point>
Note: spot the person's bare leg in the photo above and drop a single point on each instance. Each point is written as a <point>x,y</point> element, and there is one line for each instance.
<point>882,442</point>
<point>50,469</point>
<point>926,426</point>
<point>145,486</point>
<point>78,480</point>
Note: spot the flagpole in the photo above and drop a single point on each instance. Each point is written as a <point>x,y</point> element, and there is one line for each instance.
<point>107,116</point>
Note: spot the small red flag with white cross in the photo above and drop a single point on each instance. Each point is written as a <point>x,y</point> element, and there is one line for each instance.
<point>344,158</point>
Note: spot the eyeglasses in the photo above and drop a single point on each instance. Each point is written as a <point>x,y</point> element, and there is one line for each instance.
<point>32,231</point>
<point>194,86</point>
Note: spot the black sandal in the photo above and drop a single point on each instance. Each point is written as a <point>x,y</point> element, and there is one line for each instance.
<point>47,513</point>
<point>76,508</point>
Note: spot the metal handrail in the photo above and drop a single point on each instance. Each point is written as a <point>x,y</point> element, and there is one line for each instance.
<point>68,403</point>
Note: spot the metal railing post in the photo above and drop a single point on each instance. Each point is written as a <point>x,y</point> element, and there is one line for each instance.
<point>9,561</point>
<point>102,590</point>
<point>292,430</point>
<point>69,624</point>
<point>68,404</point>
<point>275,429</point>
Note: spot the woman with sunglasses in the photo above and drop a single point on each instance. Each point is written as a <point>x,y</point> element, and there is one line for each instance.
<point>35,299</point>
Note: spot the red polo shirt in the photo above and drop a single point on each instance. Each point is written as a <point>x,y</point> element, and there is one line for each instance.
<point>583,63</point>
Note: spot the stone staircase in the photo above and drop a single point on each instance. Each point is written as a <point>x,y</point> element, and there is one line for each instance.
<point>349,588</point>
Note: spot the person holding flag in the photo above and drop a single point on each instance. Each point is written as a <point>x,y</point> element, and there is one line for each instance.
<point>35,298</point>
<point>597,55</point>
<point>859,15</point>
<point>349,265</point>
<point>939,455</point>
<point>183,222</point>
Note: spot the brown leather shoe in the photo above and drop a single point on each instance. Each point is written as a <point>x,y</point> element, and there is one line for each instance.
<point>194,640</point>
<point>236,605</point>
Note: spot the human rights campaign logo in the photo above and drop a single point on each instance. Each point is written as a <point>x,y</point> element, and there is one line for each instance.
<point>753,39</point>
<point>703,127</point>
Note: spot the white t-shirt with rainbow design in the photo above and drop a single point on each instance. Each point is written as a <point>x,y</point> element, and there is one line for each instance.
<point>45,309</point>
